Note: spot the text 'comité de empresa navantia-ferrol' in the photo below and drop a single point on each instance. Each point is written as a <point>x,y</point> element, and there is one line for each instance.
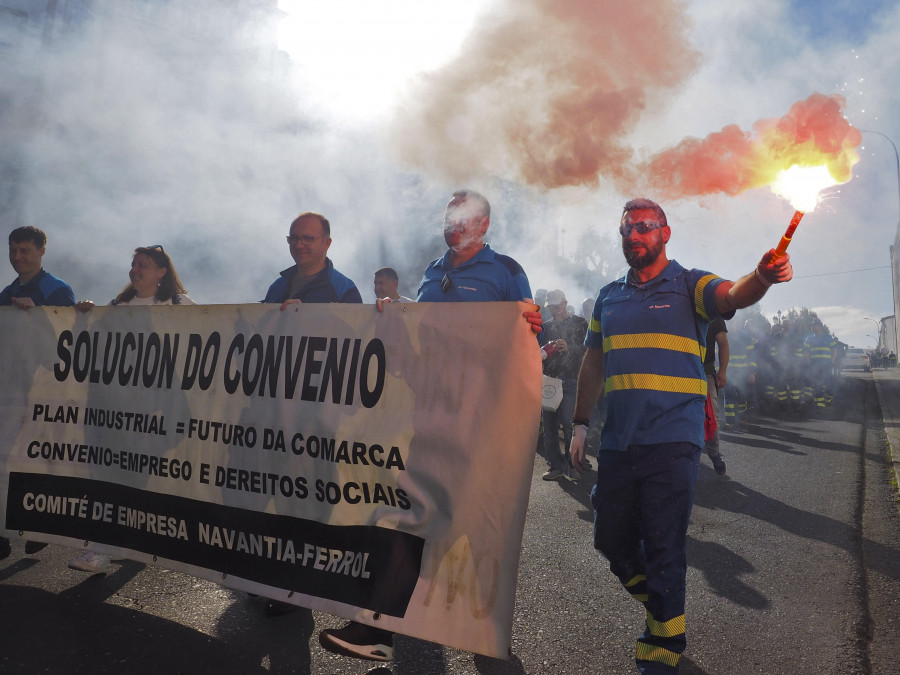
<point>311,368</point>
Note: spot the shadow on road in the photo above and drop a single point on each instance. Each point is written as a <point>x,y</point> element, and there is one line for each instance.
<point>723,569</point>
<point>80,630</point>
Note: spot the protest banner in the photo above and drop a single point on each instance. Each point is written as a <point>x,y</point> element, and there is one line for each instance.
<point>371,465</point>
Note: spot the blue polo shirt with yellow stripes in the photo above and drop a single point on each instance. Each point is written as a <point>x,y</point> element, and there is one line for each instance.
<point>653,337</point>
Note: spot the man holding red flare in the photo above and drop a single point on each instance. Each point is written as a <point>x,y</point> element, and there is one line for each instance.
<point>645,345</point>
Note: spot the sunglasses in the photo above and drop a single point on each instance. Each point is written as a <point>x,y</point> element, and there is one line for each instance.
<point>306,239</point>
<point>155,247</point>
<point>642,227</point>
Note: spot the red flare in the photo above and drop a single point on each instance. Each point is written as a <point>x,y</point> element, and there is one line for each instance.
<point>788,234</point>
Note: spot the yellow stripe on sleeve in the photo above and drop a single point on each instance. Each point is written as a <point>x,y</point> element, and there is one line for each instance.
<point>698,294</point>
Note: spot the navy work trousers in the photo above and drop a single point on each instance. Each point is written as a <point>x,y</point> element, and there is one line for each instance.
<point>642,505</point>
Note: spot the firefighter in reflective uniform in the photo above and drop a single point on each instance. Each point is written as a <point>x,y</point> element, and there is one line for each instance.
<point>822,349</point>
<point>796,366</point>
<point>770,376</point>
<point>741,377</point>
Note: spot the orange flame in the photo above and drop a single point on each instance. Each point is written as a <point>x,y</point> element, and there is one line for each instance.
<point>802,185</point>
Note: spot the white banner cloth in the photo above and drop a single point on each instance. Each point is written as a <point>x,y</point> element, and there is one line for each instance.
<point>374,466</point>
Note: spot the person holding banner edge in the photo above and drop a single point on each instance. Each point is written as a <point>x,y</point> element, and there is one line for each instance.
<point>470,271</point>
<point>644,348</point>
<point>312,278</point>
<point>387,285</point>
<point>152,280</point>
<point>33,287</point>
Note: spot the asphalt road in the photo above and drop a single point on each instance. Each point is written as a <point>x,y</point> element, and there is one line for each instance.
<point>794,567</point>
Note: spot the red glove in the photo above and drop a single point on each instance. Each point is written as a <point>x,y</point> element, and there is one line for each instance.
<point>533,316</point>
<point>774,269</point>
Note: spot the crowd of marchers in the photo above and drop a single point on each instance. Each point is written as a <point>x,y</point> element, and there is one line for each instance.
<point>785,367</point>
<point>634,361</point>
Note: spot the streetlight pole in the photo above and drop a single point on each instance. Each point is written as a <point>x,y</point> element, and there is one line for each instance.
<point>895,247</point>
<point>878,326</point>
<point>896,158</point>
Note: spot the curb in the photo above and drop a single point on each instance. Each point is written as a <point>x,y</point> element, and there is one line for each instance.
<point>891,422</point>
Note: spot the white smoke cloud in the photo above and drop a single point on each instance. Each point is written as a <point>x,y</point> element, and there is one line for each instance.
<point>166,129</point>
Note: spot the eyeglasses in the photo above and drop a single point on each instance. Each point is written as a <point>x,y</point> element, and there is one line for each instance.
<point>155,247</point>
<point>642,227</point>
<point>305,239</point>
<point>446,283</point>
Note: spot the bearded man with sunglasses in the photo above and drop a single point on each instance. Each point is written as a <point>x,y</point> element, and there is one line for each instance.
<point>312,278</point>
<point>645,344</point>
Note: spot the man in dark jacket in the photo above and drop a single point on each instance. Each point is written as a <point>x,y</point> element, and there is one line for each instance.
<point>33,287</point>
<point>562,348</point>
<point>313,277</point>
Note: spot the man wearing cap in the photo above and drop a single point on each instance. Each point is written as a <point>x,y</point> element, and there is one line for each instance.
<point>645,347</point>
<point>562,348</point>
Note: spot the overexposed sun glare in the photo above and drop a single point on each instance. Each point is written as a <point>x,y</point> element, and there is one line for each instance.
<point>356,55</point>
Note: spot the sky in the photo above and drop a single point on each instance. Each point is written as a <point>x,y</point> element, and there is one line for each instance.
<point>554,109</point>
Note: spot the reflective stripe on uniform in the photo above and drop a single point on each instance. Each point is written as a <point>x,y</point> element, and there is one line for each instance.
<point>698,295</point>
<point>670,628</point>
<point>645,652</point>
<point>654,341</point>
<point>666,383</point>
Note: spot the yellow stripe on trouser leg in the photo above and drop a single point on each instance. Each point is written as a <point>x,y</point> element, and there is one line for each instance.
<point>670,628</point>
<point>637,586</point>
<point>645,652</point>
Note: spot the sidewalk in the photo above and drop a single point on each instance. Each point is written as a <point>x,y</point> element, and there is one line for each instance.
<point>887,384</point>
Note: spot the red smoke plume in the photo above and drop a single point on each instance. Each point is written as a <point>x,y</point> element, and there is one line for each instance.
<point>813,133</point>
<point>545,91</point>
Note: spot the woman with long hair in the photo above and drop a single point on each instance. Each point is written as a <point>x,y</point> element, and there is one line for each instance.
<point>152,281</point>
